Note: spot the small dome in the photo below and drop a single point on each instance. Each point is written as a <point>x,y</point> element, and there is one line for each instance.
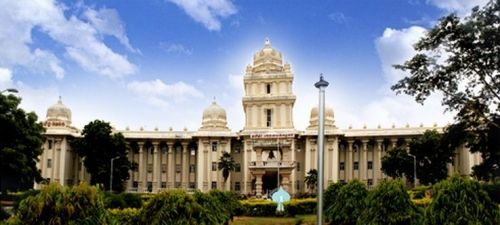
<point>329,116</point>
<point>267,59</point>
<point>214,116</point>
<point>59,112</point>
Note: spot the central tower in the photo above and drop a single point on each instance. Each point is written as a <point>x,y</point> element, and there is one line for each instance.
<point>269,99</point>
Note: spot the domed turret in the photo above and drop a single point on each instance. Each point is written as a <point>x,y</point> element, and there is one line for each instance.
<point>329,117</point>
<point>267,59</point>
<point>58,115</point>
<point>214,117</point>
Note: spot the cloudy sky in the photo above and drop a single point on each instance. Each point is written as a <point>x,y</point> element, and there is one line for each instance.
<point>159,63</point>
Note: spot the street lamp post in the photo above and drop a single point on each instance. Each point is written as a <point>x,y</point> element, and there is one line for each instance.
<point>321,85</point>
<point>111,175</point>
<point>414,170</point>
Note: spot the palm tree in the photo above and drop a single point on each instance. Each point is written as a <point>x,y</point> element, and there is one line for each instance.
<point>226,164</point>
<point>311,179</point>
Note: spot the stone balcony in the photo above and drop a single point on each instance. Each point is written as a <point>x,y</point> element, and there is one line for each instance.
<point>271,164</point>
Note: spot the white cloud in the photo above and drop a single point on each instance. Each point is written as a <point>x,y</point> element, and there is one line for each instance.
<point>108,22</point>
<point>207,12</point>
<point>394,47</point>
<point>80,39</point>
<point>338,18</point>
<point>461,7</point>
<point>5,78</point>
<point>236,81</point>
<point>175,48</point>
<point>158,93</point>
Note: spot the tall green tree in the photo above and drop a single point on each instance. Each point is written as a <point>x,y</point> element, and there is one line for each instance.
<point>311,179</point>
<point>98,145</point>
<point>349,204</point>
<point>20,145</point>
<point>226,164</point>
<point>398,163</point>
<point>432,156</point>
<point>459,58</point>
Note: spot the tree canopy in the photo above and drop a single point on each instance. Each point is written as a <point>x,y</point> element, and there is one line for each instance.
<point>397,163</point>
<point>226,164</point>
<point>311,179</point>
<point>460,59</point>
<point>98,145</point>
<point>20,144</point>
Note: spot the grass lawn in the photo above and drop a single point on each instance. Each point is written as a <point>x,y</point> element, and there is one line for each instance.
<point>303,219</point>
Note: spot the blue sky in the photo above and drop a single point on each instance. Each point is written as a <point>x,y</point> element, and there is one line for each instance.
<point>159,63</point>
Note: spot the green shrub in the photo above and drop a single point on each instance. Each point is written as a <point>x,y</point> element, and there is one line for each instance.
<point>389,204</point>
<point>122,200</point>
<point>420,191</point>
<point>348,204</point>
<point>178,207</point>
<point>493,190</point>
<point>127,216</point>
<point>300,206</point>
<point>3,214</point>
<point>259,207</point>
<point>18,197</point>
<point>330,194</point>
<point>228,201</point>
<point>55,204</point>
<point>460,200</point>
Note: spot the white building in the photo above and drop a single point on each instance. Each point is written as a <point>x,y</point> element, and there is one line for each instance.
<point>267,144</point>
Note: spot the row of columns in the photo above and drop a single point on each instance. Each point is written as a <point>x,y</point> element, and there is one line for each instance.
<point>156,178</point>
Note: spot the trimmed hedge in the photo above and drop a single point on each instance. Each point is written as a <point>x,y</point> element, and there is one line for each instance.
<point>122,200</point>
<point>127,216</point>
<point>263,207</point>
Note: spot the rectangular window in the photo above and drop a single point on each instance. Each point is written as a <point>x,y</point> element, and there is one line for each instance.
<point>150,186</point>
<point>49,163</point>
<point>163,168</point>
<point>268,88</point>
<point>298,166</point>
<point>297,185</point>
<point>150,168</point>
<point>237,186</point>
<point>369,182</point>
<point>164,150</point>
<point>192,185</point>
<point>342,181</point>
<point>135,184</point>
<point>356,166</point>
<point>192,168</point>
<point>342,166</point>
<point>370,165</point>
<point>163,184</point>
<point>177,168</point>
<point>237,167</point>
<point>50,144</point>
<point>214,166</point>
<point>177,184</point>
<point>136,167</point>
<point>269,115</point>
<point>178,150</point>
<point>214,185</point>
<point>237,148</point>
<point>214,146</point>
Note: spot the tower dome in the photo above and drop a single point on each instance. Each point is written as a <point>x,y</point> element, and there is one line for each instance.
<point>267,59</point>
<point>58,113</point>
<point>214,117</point>
<point>329,117</point>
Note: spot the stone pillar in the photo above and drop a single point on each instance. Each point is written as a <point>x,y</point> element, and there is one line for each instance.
<point>377,161</point>
<point>170,166</point>
<point>363,160</point>
<point>286,181</point>
<point>185,166</point>
<point>142,168</point>
<point>335,166</point>
<point>156,168</point>
<point>258,185</point>
<point>349,162</point>
<point>293,152</point>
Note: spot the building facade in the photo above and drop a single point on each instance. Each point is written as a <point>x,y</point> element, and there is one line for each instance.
<point>268,150</point>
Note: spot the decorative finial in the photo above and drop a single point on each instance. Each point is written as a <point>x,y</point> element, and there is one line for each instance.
<point>60,99</point>
<point>321,82</point>
<point>267,43</point>
<point>214,100</point>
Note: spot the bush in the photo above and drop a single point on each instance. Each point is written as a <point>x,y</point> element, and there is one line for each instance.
<point>389,204</point>
<point>348,204</point>
<point>420,191</point>
<point>261,207</point>
<point>18,197</point>
<point>178,207</point>
<point>228,201</point>
<point>460,200</point>
<point>55,204</point>
<point>127,216</point>
<point>122,200</point>
<point>330,194</point>
<point>493,190</point>
<point>3,214</point>
<point>300,206</point>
